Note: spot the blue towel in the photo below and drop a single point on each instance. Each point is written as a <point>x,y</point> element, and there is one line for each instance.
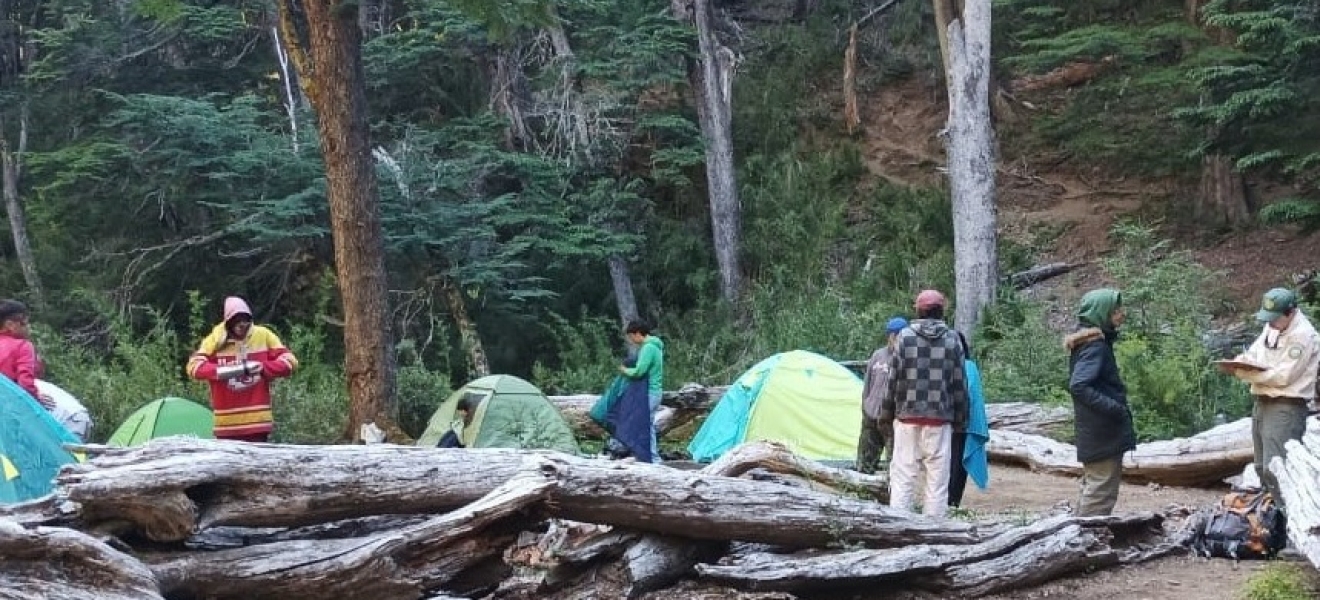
<point>978,429</point>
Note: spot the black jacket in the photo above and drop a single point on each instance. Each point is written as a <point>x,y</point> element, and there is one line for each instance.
<point>1102,420</point>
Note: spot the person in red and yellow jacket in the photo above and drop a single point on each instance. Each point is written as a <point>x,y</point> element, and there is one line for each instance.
<point>239,359</point>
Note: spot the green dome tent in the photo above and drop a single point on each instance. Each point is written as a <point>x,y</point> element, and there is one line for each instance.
<point>803,400</point>
<point>509,413</point>
<point>164,417</point>
<point>31,445</point>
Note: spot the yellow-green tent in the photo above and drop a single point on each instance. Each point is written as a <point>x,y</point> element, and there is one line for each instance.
<point>801,399</point>
<point>509,413</point>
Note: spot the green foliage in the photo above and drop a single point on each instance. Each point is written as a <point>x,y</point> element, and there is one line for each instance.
<point>1021,357</point>
<point>1257,102</point>
<point>1141,51</point>
<point>1292,210</point>
<point>1279,581</point>
<point>1168,299</point>
<point>589,352</point>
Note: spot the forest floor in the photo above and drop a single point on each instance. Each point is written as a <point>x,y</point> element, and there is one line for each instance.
<point>1018,495</point>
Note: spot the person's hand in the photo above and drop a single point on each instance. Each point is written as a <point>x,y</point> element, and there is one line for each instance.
<point>46,401</point>
<point>1227,369</point>
<point>254,368</point>
<point>623,369</point>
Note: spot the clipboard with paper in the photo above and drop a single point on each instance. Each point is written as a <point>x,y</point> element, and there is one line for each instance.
<point>1240,363</point>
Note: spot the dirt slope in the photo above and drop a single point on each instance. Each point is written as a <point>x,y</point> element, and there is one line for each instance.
<point>1065,210</point>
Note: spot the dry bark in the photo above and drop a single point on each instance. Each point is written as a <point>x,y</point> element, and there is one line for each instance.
<point>170,488</point>
<point>400,563</point>
<point>42,563</point>
<point>1297,472</point>
<point>329,67</point>
<point>779,459</point>
<point>1028,417</point>
<point>1016,558</point>
<point>1202,459</point>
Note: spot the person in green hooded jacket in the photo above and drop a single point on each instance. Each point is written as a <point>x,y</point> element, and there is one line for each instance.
<point>1102,420</point>
<point>651,366</point>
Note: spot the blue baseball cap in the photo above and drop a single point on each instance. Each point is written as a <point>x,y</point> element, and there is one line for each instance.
<point>896,325</point>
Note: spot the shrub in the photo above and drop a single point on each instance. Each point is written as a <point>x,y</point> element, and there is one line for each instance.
<point>1278,581</point>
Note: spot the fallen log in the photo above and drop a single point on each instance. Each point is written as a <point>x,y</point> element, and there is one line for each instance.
<point>1017,558</point>
<point>1203,459</point>
<point>1029,417</point>
<point>1025,279</point>
<point>54,562</point>
<point>1297,471</point>
<point>777,458</point>
<point>403,563</point>
<point>170,488</point>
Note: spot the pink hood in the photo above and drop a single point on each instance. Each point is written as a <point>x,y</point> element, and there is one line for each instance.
<point>236,306</point>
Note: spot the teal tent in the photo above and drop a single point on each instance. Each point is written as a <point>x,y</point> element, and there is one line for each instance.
<point>31,445</point>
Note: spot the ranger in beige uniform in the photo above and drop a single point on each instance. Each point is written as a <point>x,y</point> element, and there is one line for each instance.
<point>1289,349</point>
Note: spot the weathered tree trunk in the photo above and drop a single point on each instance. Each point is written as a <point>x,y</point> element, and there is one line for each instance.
<point>971,150</point>
<point>1017,558</point>
<point>330,71</point>
<point>711,78</point>
<point>1298,470</point>
<point>468,335</point>
<point>508,92</point>
<point>1223,197</point>
<point>779,459</point>
<point>852,116</point>
<point>1205,458</point>
<point>51,562</point>
<point>170,488</point>
<point>396,564</point>
<point>1028,417</point>
<point>623,289</point>
<point>11,163</point>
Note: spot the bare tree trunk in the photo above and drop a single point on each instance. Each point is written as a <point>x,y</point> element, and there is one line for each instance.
<point>851,114</point>
<point>330,71</point>
<point>712,84</point>
<point>468,335</point>
<point>11,161</point>
<point>945,12</point>
<point>623,289</point>
<point>1223,197</point>
<point>971,150</point>
<point>506,96</point>
<point>290,99</point>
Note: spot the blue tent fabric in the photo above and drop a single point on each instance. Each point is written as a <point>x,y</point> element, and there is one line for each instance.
<point>726,425</point>
<point>31,445</point>
<point>978,428</point>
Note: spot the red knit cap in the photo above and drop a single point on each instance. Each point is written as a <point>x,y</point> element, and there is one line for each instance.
<point>929,299</point>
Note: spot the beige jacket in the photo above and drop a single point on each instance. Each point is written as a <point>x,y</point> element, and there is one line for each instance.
<point>1292,356</point>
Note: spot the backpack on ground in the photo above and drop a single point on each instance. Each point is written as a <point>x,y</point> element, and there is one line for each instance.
<point>1245,525</point>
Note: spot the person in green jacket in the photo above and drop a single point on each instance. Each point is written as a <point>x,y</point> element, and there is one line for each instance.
<point>651,365</point>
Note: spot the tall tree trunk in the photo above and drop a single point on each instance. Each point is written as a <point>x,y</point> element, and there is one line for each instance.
<point>11,161</point>
<point>330,71</point>
<point>467,330</point>
<point>712,84</point>
<point>971,150</point>
<point>1223,198</point>
<point>507,96</point>
<point>623,290</point>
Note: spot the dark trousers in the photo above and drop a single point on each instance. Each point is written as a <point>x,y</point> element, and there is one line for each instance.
<point>1274,421</point>
<point>957,472</point>
<point>870,446</point>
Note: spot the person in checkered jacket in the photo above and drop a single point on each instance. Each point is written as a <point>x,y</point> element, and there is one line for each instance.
<point>926,401</point>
